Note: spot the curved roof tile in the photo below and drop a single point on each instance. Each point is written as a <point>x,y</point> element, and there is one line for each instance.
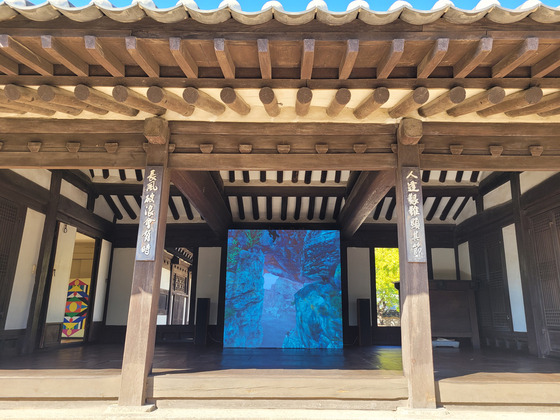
<point>316,9</point>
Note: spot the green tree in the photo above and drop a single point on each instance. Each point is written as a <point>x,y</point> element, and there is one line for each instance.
<point>386,274</point>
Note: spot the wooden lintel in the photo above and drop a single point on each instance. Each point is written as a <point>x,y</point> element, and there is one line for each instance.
<point>471,61</point>
<point>433,58</point>
<point>66,57</point>
<point>489,163</point>
<point>142,57</point>
<point>522,53</point>
<point>348,59</point>
<point>103,56</point>
<point>202,192</point>
<point>224,58</point>
<point>183,57</point>
<point>307,58</point>
<point>367,192</point>
<point>25,56</point>
<point>409,131</point>
<point>391,59</point>
<point>156,130</point>
<point>265,62</point>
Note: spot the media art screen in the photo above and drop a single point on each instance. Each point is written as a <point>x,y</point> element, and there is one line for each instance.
<point>283,289</point>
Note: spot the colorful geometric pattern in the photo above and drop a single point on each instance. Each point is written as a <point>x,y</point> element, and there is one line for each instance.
<point>77,303</point>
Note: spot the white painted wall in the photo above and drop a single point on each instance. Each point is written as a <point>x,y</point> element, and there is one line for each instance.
<point>165,283</point>
<point>102,209</point>
<point>443,264</point>
<point>464,262</point>
<point>208,278</point>
<point>359,280</point>
<point>73,193</point>
<point>468,212</point>
<point>500,195</point>
<point>102,277</point>
<point>529,179</point>
<point>514,279</point>
<point>121,285</point>
<point>18,309</point>
<point>61,272</point>
<point>38,176</point>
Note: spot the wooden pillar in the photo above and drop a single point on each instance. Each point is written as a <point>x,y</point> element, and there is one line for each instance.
<point>142,313</point>
<point>416,329</point>
<point>40,296</point>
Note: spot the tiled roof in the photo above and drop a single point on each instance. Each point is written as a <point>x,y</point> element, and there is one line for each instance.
<point>316,9</point>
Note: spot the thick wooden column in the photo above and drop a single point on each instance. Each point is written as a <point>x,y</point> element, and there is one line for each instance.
<point>142,313</point>
<point>40,296</point>
<point>416,328</point>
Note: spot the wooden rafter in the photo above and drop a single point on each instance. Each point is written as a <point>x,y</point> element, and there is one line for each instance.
<point>66,57</point>
<point>265,61</point>
<point>391,58</point>
<point>183,57</point>
<point>307,58</point>
<point>433,58</point>
<point>348,59</point>
<point>143,58</point>
<point>25,56</point>
<point>104,56</point>
<point>224,58</point>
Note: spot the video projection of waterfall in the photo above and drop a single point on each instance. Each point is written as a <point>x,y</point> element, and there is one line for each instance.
<point>283,289</point>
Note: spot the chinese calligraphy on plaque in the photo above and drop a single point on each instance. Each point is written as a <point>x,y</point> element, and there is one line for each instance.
<point>414,215</point>
<point>149,214</point>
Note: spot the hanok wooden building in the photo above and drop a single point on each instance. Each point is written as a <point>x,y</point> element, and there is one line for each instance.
<point>279,120</point>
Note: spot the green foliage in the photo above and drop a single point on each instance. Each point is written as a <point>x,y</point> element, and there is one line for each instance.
<point>386,274</point>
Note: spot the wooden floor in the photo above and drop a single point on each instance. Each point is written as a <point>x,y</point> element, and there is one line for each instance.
<point>183,371</point>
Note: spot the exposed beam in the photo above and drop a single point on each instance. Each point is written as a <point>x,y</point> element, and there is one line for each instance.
<point>410,103</point>
<point>269,101</point>
<point>25,56</point>
<point>547,103</point>
<point>410,131</point>
<point>307,58</point>
<point>224,58</point>
<point>493,181</point>
<point>433,58</point>
<point>65,97</point>
<point>479,101</point>
<point>443,102</point>
<point>234,101</point>
<point>348,59</point>
<point>156,130</point>
<point>99,99</point>
<point>201,191</point>
<point>289,190</point>
<point>169,100</point>
<point>338,102</point>
<point>368,191</point>
<point>391,58</point>
<point>490,163</point>
<point>372,102</point>
<point>143,58</point>
<point>19,107</point>
<point>471,61</point>
<point>26,95</point>
<point>265,62</point>
<point>546,65</point>
<point>104,57</point>
<point>130,98</point>
<point>66,57</point>
<point>524,51</point>
<point>9,67</point>
<point>203,101</point>
<point>126,206</point>
<point>514,101</point>
<point>183,57</point>
<point>303,101</point>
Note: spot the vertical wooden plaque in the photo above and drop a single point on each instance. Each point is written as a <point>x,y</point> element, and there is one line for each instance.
<point>149,214</point>
<point>414,215</point>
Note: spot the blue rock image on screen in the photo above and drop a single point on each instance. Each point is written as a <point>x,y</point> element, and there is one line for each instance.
<point>283,289</point>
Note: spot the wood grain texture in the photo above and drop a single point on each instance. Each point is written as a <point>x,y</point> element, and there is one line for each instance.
<point>433,58</point>
<point>24,55</point>
<point>223,56</point>
<point>66,57</point>
<point>104,56</point>
<point>348,59</point>
<point>183,57</point>
<point>391,59</point>
<point>142,57</point>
